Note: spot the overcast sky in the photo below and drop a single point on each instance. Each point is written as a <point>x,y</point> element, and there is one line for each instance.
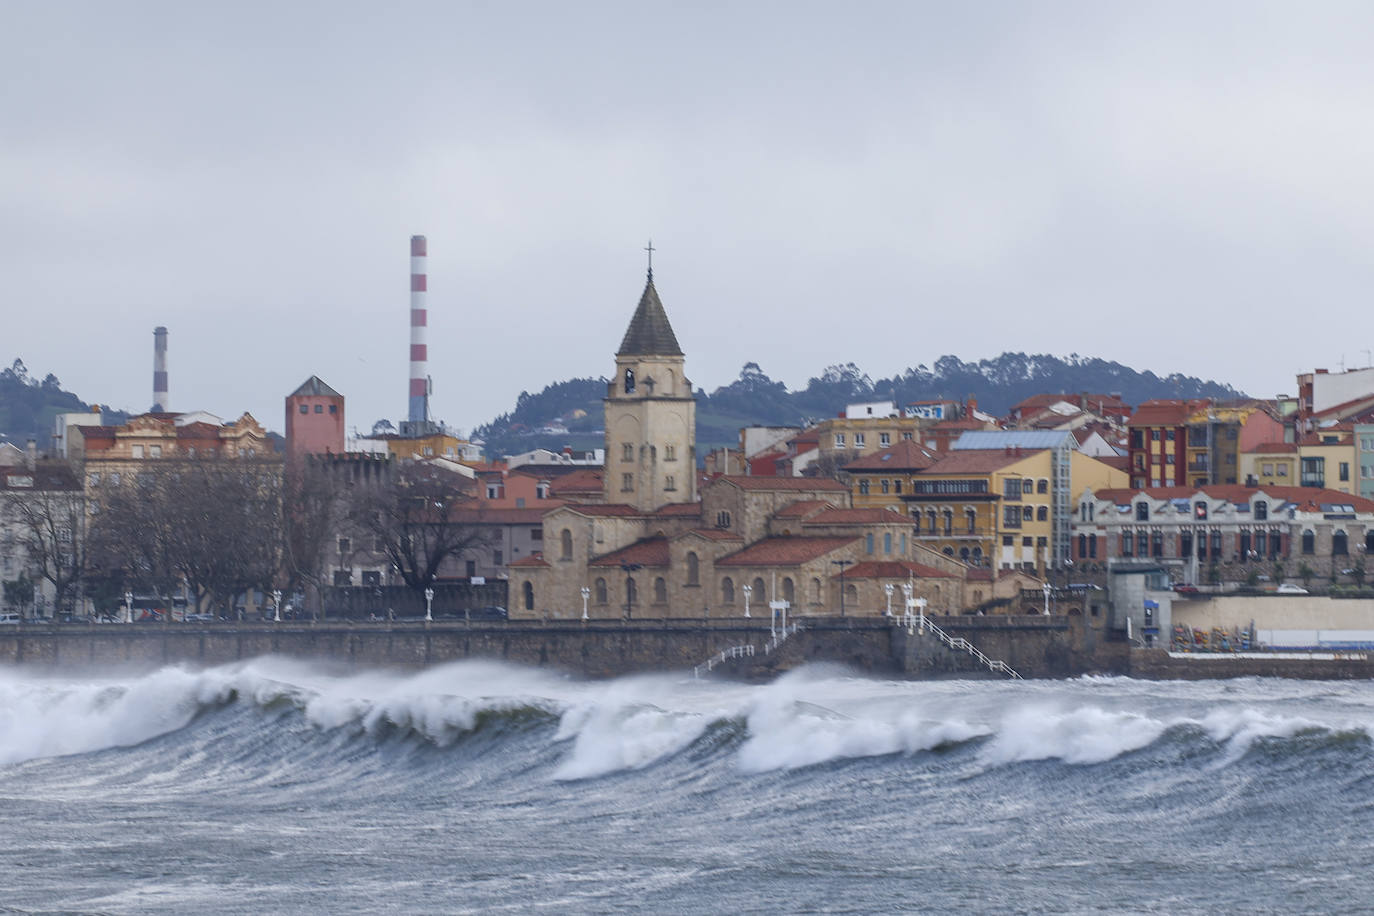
<point>1181,187</point>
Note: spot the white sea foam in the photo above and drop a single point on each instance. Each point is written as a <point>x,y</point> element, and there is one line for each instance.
<point>1081,735</point>
<point>51,719</point>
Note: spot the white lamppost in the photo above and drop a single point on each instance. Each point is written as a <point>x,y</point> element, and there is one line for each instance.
<point>888,589</point>
<point>748,590</point>
<point>921,613</point>
<point>1046,589</point>
<point>276,605</point>
<point>129,607</point>
<point>586,593</point>
<point>907,604</point>
<point>429,601</point>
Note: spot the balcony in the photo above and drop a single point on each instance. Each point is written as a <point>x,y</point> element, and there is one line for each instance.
<point>977,533</point>
<point>1199,466</point>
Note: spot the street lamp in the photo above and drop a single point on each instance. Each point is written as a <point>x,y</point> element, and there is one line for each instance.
<point>747,590</point>
<point>921,613</point>
<point>842,564</point>
<point>276,605</point>
<point>888,589</point>
<point>429,601</point>
<point>586,593</point>
<point>129,607</point>
<point>1046,589</point>
<point>908,603</point>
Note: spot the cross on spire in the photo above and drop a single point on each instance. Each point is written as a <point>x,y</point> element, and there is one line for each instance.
<point>650,248</point>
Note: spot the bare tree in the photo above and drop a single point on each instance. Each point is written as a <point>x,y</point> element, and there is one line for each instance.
<point>314,512</point>
<point>414,522</point>
<point>46,517</point>
<point>212,523</point>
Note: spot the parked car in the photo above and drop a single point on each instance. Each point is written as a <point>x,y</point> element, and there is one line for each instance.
<point>9,618</point>
<point>1288,588</point>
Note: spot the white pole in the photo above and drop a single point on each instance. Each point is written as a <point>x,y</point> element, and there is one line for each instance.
<point>429,600</point>
<point>586,593</point>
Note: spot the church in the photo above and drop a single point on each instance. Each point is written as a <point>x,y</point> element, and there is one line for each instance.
<point>662,543</point>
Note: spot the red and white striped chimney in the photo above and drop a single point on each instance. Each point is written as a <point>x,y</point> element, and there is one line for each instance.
<point>162,401</point>
<point>419,320</point>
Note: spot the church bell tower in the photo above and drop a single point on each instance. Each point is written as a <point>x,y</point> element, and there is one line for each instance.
<point>651,414</point>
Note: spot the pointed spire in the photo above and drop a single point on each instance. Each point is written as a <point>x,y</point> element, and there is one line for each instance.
<point>649,333</point>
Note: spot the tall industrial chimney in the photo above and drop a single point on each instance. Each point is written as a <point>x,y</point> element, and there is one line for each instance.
<point>419,319</point>
<point>161,402</point>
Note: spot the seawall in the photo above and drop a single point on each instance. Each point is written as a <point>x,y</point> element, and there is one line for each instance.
<point>1035,646</point>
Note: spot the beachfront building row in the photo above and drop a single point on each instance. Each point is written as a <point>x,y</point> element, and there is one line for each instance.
<point>1227,533</point>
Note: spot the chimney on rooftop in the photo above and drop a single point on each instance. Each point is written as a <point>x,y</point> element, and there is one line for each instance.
<point>419,322</point>
<point>31,453</point>
<point>161,401</point>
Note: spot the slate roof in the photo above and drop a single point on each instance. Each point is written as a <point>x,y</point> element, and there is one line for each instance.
<point>314,386</point>
<point>649,333</point>
<point>1308,499</point>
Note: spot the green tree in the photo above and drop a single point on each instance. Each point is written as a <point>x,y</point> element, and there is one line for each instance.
<point>1305,573</point>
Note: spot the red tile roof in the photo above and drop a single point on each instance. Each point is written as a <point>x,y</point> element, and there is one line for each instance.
<point>648,552</point>
<point>606,510</point>
<point>858,517</point>
<point>582,480</point>
<point>975,461</point>
<point>802,508</point>
<point>1164,412</point>
<point>895,569</point>
<point>678,510</point>
<point>907,455</point>
<point>533,560</point>
<point>714,534</point>
<point>784,551</point>
<point>784,483</point>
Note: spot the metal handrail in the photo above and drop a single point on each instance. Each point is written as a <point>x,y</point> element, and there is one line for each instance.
<point>959,642</point>
<point>744,651</point>
<point>790,630</point>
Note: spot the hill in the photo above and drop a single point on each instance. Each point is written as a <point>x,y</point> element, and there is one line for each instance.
<point>28,405</point>
<point>570,413</point>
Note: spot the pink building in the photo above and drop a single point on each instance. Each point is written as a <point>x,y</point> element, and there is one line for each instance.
<point>314,420</point>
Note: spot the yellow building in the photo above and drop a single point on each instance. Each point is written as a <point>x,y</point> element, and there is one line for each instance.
<point>437,444</point>
<point>1005,508</point>
<point>1270,464</point>
<point>881,480</point>
<point>1326,458</point>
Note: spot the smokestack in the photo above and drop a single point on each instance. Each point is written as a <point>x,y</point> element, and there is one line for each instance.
<point>161,402</point>
<point>419,320</point>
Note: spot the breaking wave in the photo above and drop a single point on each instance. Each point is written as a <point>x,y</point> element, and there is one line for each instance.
<point>580,730</point>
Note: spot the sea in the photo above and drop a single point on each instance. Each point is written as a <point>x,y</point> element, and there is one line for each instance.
<point>280,786</point>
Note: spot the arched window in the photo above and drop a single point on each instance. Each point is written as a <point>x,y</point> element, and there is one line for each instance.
<point>629,381</point>
<point>868,542</point>
<point>631,592</point>
<point>978,556</point>
<point>949,551</point>
<point>1368,540</point>
<point>600,590</point>
<point>931,523</point>
<point>1340,544</point>
<point>565,543</point>
<point>760,596</point>
<point>971,518</point>
<point>851,594</point>
<point>1042,485</point>
<point>963,554</point>
<point>693,569</point>
<point>863,486</point>
<point>887,542</point>
<point>660,591</point>
<point>788,593</point>
<point>727,590</point>
<point>1042,513</point>
<point>1309,542</point>
<point>1082,546</point>
<point>529,596</point>
<point>949,521</point>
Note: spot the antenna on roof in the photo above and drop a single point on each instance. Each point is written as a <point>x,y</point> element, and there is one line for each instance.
<point>650,248</point>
